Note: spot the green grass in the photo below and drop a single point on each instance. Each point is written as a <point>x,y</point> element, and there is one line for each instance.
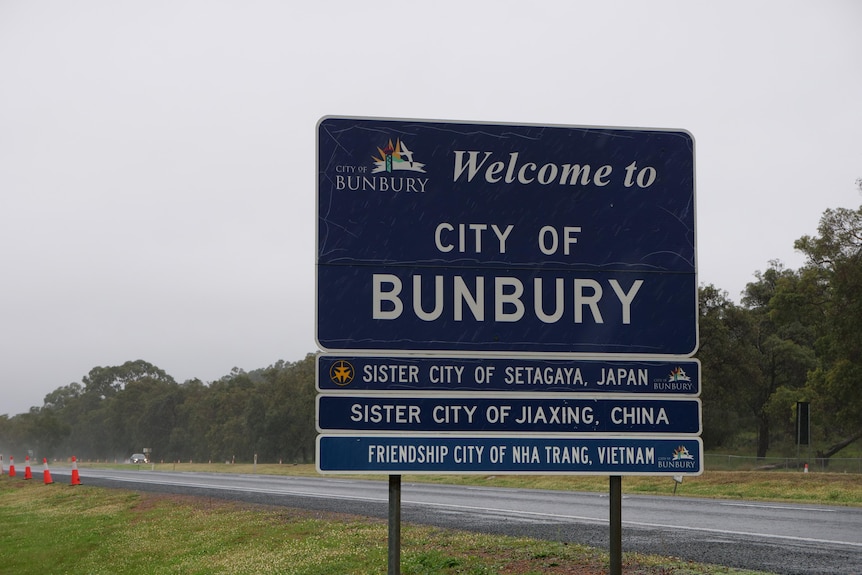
<point>83,530</point>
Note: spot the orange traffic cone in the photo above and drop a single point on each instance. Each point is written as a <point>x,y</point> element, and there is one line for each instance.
<point>76,479</point>
<point>11,466</point>
<point>27,473</point>
<point>46,475</point>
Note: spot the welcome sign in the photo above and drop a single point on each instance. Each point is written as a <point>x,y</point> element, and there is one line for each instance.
<point>442,236</point>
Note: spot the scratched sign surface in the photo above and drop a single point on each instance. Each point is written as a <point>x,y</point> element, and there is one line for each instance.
<point>443,236</point>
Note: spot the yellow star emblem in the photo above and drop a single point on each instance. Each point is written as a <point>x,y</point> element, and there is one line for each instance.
<point>341,372</point>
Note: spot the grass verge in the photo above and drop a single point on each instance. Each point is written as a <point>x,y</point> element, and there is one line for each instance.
<point>61,529</point>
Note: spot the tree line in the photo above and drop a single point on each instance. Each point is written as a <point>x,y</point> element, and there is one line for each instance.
<point>795,336</point>
<point>117,410</point>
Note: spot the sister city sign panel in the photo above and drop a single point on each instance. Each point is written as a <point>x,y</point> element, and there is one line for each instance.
<point>521,455</point>
<point>518,239</point>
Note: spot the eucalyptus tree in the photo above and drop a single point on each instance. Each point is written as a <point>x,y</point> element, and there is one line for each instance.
<point>729,366</point>
<point>834,265</point>
<point>783,340</point>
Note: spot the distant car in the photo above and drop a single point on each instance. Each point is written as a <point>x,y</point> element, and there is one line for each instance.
<point>138,458</point>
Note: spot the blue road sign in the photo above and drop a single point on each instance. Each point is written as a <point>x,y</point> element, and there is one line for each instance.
<point>556,414</point>
<point>471,238</point>
<point>399,374</point>
<point>400,454</point>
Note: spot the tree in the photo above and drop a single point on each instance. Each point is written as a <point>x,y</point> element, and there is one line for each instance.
<point>62,396</point>
<point>105,382</point>
<point>835,264</point>
<point>289,431</point>
<point>195,413</point>
<point>729,365</point>
<point>783,342</point>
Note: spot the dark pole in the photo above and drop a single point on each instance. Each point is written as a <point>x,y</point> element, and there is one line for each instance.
<point>616,524</point>
<point>394,525</point>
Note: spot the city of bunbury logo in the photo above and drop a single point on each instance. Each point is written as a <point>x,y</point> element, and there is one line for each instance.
<point>396,158</point>
<point>395,169</point>
<point>341,373</point>
<point>681,460</point>
<point>677,380</point>
<point>679,374</point>
<point>681,453</point>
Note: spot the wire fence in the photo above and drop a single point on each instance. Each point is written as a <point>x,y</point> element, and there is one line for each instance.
<point>745,463</point>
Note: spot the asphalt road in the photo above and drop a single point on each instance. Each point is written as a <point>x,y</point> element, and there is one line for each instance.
<point>791,539</point>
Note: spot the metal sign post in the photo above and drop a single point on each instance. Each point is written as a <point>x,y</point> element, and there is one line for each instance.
<point>616,525</point>
<point>394,540</point>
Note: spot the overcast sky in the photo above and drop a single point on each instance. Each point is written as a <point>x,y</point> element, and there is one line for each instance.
<point>157,193</point>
